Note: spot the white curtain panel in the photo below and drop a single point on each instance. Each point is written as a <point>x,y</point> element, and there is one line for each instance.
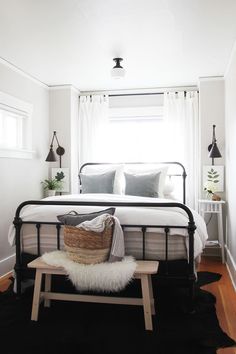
<point>93,125</point>
<point>182,124</point>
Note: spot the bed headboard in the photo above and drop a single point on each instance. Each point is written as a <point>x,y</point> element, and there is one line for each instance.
<point>178,171</point>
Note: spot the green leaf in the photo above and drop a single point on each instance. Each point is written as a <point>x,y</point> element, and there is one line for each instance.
<point>216,181</point>
<point>59,176</point>
<point>52,183</point>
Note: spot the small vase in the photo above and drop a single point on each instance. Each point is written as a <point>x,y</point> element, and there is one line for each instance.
<point>51,192</point>
<point>215,197</point>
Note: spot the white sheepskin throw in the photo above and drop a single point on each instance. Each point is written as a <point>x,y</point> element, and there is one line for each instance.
<point>105,277</point>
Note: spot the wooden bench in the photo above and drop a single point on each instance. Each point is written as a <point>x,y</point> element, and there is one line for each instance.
<point>143,272</point>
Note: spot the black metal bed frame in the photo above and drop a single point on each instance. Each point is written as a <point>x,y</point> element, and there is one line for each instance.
<point>189,276</point>
<point>183,174</point>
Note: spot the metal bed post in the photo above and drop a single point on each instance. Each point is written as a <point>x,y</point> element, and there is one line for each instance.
<point>191,275</point>
<point>18,266</point>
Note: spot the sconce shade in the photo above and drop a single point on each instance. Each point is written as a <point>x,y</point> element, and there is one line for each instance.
<point>214,152</point>
<point>51,156</point>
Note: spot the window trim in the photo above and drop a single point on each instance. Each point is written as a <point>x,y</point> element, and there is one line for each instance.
<point>16,105</point>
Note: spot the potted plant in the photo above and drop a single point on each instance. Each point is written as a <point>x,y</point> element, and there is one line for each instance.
<point>51,185</point>
<point>210,189</point>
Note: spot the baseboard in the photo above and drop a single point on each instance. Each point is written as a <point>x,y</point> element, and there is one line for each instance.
<point>7,265</point>
<point>231,266</point>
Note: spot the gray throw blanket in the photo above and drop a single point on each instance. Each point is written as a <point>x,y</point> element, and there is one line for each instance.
<point>98,224</point>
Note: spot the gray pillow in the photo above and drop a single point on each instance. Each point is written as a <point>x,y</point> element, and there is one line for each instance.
<point>73,218</point>
<point>101,183</point>
<point>144,185</point>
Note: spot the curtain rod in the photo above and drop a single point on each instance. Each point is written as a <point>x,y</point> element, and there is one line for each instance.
<point>144,91</point>
<point>136,94</point>
<point>145,94</point>
<point>141,94</point>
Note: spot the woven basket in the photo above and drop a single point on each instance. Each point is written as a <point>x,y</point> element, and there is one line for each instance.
<point>87,247</point>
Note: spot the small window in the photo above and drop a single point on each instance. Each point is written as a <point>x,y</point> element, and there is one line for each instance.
<point>15,127</point>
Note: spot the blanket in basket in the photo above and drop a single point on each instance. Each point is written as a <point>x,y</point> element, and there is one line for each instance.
<point>98,224</point>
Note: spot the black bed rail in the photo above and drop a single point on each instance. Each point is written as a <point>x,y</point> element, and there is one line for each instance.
<point>18,222</point>
<point>183,174</point>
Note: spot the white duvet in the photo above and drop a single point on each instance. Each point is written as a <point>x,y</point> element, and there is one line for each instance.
<point>126,215</point>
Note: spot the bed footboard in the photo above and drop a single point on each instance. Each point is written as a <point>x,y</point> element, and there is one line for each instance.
<point>188,277</point>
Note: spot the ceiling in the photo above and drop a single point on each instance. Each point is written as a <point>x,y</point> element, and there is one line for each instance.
<point>163,42</point>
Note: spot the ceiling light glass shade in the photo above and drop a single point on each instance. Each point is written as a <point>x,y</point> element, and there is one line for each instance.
<point>117,73</point>
<point>51,156</point>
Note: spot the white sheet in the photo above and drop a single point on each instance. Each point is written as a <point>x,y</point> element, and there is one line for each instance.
<point>126,215</point>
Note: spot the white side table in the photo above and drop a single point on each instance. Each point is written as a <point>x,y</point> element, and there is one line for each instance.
<point>214,207</point>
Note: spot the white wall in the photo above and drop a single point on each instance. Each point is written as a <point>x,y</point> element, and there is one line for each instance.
<point>230,121</point>
<point>19,178</point>
<point>211,111</point>
<point>64,101</point>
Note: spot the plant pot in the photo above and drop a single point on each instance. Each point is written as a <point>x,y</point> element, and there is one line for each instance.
<point>51,192</point>
<point>215,197</point>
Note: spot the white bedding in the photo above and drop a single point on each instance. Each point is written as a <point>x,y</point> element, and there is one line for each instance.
<point>126,215</point>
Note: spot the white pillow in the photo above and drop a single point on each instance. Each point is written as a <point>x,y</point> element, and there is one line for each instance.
<point>99,169</point>
<point>168,187</point>
<point>150,168</point>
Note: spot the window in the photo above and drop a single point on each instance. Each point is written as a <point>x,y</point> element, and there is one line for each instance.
<point>136,137</point>
<point>143,128</point>
<point>15,127</point>
<point>136,128</point>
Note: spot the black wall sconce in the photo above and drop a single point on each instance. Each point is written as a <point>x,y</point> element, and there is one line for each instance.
<point>60,151</point>
<point>213,148</point>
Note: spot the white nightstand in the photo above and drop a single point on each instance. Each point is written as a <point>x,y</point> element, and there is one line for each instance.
<point>214,207</point>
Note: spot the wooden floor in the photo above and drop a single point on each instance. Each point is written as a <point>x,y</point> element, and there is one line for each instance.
<point>5,282</point>
<point>223,290</point>
<point>225,298</point>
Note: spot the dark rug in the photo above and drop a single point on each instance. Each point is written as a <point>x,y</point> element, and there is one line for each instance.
<point>72,327</point>
<point>207,278</point>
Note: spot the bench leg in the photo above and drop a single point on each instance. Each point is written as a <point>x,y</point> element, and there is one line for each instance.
<point>151,294</point>
<point>146,302</point>
<point>48,282</point>
<point>36,297</point>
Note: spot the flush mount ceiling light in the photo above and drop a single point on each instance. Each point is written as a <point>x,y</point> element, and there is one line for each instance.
<point>117,71</point>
